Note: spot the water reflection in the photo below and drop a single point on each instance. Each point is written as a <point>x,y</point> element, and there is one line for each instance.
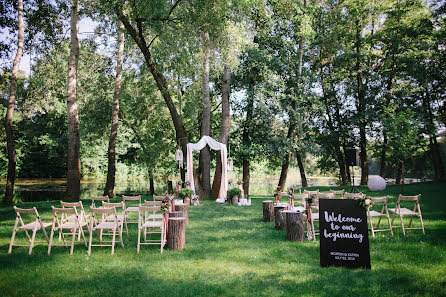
<point>44,190</point>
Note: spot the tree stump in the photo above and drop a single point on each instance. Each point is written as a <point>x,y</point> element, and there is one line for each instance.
<point>186,201</point>
<point>278,217</point>
<point>295,229</point>
<point>175,214</point>
<point>184,210</point>
<point>176,234</point>
<point>268,210</point>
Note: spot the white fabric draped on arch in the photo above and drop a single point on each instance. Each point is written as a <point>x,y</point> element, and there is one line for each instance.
<point>217,146</point>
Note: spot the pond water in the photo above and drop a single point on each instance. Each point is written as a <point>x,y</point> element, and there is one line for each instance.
<point>30,190</point>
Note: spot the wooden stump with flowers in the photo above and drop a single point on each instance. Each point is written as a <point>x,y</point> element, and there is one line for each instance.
<point>185,194</point>
<point>277,195</point>
<point>234,195</point>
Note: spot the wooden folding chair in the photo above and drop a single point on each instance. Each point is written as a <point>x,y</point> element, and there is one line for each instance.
<point>353,195</point>
<point>83,217</point>
<point>99,199</point>
<point>374,214</point>
<point>314,217</point>
<point>122,216</point>
<point>61,223</point>
<point>98,223</point>
<point>338,192</point>
<point>300,198</point>
<point>314,195</point>
<point>128,202</point>
<point>35,226</point>
<point>325,195</point>
<point>402,211</point>
<point>147,222</point>
<point>158,198</point>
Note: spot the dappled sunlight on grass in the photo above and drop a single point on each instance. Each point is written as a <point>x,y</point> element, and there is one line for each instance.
<point>230,251</point>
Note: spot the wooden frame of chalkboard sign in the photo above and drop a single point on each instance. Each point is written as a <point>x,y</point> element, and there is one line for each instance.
<point>344,237</point>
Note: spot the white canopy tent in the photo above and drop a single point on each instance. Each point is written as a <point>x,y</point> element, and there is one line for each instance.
<point>217,146</point>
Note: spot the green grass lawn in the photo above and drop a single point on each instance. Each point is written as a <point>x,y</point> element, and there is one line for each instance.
<point>230,251</point>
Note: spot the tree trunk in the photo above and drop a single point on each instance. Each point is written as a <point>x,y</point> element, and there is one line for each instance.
<point>361,105</point>
<point>205,153</point>
<point>382,170</point>
<point>74,162</point>
<point>303,177</point>
<point>9,194</point>
<point>286,161</point>
<point>225,126</point>
<point>399,173</point>
<point>184,208</point>
<point>295,227</point>
<point>246,137</point>
<point>110,184</point>
<point>152,186</point>
<point>138,37</point>
<point>436,158</point>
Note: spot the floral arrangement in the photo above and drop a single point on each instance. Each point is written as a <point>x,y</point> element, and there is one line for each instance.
<point>291,192</point>
<point>171,197</point>
<point>309,200</point>
<point>365,202</point>
<point>165,205</point>
<point>277,192</point>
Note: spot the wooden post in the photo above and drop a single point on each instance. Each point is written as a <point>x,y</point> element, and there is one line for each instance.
<point>295,228</point>
<point>175,214</point>
<point>278,217</point>
<point>268,210</point>
<point>184,209</point>
<point>176,235</point>
<point>169,187</point>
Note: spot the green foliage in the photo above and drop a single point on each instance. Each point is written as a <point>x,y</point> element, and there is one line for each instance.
<point>185,192</point>
<point>234,192</point>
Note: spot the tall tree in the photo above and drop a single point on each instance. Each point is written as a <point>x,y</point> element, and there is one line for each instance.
<point>11,104</point>
<point>205,154</point>
<point>110,184</point>
<point>224,127</point>
<point>74,162</point>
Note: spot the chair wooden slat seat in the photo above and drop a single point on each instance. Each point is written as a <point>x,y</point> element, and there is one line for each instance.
<point>403,211</point>
<point>375,214</point>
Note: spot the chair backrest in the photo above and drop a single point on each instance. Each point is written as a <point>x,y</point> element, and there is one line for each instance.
<point>115,205</point>
<point>82,215</point>
<point>325,195</point>
<point>143,209</point>
<point>301,198</point>
<point>100,199</point>
<point>131,198</point>
<point>379,199</point>
<point>158,198</point>
<point>283,194</point>
<point>63,213</point>
<point>338,192</point>
<point>415,198</point>
<point>152,203</point>
<point>311,193</point>
<point>353,195</point>
<point>27,211</point>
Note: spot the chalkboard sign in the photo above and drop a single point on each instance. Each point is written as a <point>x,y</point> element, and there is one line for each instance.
<point>344,238</point>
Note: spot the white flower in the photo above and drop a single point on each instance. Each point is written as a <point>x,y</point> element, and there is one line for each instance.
<point>367,202</point>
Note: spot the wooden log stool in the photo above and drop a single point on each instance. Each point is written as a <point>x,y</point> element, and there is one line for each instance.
<point>176,235</point>
<point>295,228</point>
<point>184,210</point>
<point>175,214</point>
<point>268,210</point>
<point>278,217</point>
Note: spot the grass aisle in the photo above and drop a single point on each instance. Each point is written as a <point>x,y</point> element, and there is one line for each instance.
<point>230,251</point>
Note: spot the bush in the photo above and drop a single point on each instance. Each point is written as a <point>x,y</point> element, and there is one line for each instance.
<point>234,192</point>
<point>185,192</point>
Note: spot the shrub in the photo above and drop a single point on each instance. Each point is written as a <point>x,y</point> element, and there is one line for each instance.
<point>234,192</point>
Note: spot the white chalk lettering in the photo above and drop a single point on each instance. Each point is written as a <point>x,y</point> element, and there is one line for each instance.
<point>340,219</point>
